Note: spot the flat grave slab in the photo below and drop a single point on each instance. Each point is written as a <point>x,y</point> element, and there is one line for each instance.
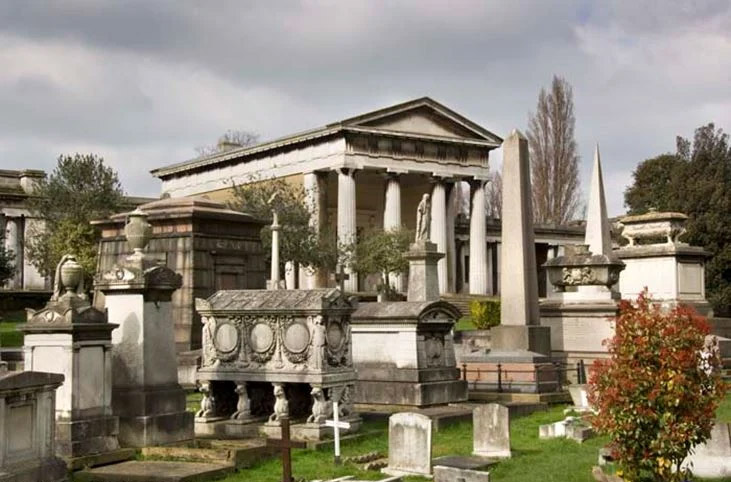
<point>463,462</point>
<point>154,471</point>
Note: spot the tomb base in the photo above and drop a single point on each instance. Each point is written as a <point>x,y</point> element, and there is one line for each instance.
<point>511,371</point>
<point>91,436</point>
<point>50,470</point>
<point>420,394</point>
<point>226,428</point>
<point>522,338</point>
<point>152,416</point>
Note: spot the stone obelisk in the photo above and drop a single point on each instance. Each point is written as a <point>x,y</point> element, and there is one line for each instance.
<point>597,223</point>
<point>520,332</point>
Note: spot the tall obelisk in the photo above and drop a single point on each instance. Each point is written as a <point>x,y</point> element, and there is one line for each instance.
<point>520,331</point>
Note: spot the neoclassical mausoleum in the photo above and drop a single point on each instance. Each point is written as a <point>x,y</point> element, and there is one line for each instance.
<point>367,172</point>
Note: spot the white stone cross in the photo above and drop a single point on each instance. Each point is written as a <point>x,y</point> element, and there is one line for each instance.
<point>336,424</point>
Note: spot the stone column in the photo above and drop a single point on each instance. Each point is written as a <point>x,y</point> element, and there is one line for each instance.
<point>439,228</point>
<point>347,218</point>
<point>274,267</point>
<point>550,254</point>
<point>490,269</point>
<point>392,217</point>
<point>315,185</point>
<point>455,191</point>
<point>478,235</point>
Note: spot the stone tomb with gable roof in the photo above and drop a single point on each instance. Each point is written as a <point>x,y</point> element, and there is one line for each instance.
<point>267,354</point>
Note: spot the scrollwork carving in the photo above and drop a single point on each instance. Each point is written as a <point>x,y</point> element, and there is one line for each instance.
<point>583,275</point>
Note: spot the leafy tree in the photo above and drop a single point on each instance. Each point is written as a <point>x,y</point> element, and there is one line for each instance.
<point>697,182</point>
<point>81,188</point>
<point>652,185</point>
<point>231,139</point>
<point>382,252</point>
<point>7,268</point>
<point>657,393</point>
<point>554,157</point>
<point>299,241</point>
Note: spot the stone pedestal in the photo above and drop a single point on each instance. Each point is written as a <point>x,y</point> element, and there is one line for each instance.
<point>423,272</point>
<point>72,338</point>
<point>674,274</point>
<point>146,394</point>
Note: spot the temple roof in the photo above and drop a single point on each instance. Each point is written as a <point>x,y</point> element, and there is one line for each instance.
<point>428,120</point>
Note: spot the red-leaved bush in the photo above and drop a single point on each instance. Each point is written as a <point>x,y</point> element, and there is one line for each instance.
<point>657,393</point>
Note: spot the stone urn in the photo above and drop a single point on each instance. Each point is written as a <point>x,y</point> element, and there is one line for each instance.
<point>137,230</point>
<point>71,273</point>
<point>579,267</point>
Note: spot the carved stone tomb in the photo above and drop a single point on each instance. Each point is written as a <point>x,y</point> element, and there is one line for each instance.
<point>267,354</point>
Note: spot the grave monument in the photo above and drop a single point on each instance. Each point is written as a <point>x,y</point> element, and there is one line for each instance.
<point>27,427</point>
<point>72,338</point>
<point>520,347</point>
<point>403,350</point>
<point>270,354</point>
<point>146,395</point>
<point>585,281</point>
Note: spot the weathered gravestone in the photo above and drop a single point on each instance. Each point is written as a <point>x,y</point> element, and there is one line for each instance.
<point>27,408</point>
<point>712,459</point>
<point>146,395</point>
<point>72,338</point>
<point>409,444</point>
<point>491,431</point>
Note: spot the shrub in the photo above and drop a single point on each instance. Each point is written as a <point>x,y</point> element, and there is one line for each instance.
<point>657,393</point>
<point>485,313</point>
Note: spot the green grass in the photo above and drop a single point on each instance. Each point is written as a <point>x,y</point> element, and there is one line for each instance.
<point>9,335</point>
<point>464,324</point>
<point>724,411</point>
<point>553,460</point>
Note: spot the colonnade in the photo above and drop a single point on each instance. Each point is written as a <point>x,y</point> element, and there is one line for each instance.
<point>443,214</point>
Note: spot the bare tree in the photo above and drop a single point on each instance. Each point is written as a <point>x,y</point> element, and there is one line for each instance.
<point>232,139</point>
<point>494,195</point>
<point>554,157</point>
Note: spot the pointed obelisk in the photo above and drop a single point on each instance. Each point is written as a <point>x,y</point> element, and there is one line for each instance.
<point>518,277</point>
<point>597,223</point>
<point>519,333</point>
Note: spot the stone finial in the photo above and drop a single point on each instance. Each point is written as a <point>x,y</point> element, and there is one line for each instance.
<point>69,279</point>
<point>597,223</point>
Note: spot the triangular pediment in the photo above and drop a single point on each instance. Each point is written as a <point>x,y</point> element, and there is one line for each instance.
<point>423,117</point>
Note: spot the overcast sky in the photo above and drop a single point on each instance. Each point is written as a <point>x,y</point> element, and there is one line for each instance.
<point>144,83</point>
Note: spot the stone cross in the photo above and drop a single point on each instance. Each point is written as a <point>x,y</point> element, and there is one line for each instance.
<point>341,277</point>
<point>286,445</point>
<point>336,424</point>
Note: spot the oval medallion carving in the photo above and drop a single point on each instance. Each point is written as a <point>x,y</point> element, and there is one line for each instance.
<point>296,338</point>
<point>226,338</point>
<point>261,337</point>
<point>334,335</point>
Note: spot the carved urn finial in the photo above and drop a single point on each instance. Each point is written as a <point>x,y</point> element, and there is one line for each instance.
<point>69,279</point>
<point>138,231</point>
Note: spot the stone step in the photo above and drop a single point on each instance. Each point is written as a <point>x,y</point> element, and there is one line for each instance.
<point>239,453</point>
<point>154,471</point>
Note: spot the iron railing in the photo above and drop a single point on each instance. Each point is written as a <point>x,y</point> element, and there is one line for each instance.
<point>560,369</point>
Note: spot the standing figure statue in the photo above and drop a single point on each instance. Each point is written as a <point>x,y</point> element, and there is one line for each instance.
<point>423,219</point>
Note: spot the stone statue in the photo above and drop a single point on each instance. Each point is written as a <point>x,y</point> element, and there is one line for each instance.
<point>321,408</point>
<point>243,406</point>
<point>281,405</point>
<point>208,402</point>
<point>423,219</point>
<point>319,343</point>
<point>209,350</point>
